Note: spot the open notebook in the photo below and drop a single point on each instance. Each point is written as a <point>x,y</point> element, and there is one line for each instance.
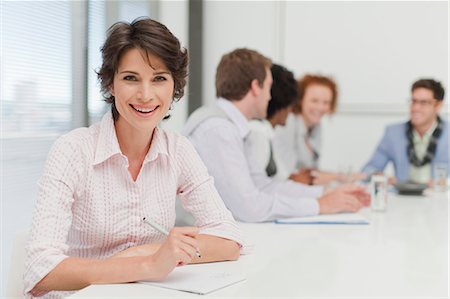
<point>202,278</point>
<point>342,218</point>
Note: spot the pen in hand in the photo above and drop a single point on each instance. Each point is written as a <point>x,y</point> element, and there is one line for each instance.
<point>163,231</point>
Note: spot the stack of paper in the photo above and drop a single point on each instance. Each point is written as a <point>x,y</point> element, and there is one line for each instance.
<point>202,278</point>
<point>342,218</point>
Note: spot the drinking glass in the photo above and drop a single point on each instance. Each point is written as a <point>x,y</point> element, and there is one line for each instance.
<point>378,192</point>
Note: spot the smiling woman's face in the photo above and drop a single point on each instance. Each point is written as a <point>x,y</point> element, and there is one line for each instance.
<point>143,91</point>
<point>316,103</point>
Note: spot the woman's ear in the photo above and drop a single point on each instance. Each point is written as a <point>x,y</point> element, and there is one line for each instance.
<point>111,90</point>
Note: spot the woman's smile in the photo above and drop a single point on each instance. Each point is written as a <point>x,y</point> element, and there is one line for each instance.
<point>144,111</point>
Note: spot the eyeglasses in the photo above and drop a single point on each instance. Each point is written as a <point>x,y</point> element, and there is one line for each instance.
<point>422,103</point>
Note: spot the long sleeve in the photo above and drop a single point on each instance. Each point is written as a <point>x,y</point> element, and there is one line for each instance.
<point>199,196</point>
<point>222,150</point>
<point>257,148</point>
<point>291,148</point>
<point>380,157</point>
<point>257,151</point>
<point>285,145</point>
<point>52,217</point>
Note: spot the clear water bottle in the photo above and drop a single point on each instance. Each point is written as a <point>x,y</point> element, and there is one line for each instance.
<point>378,192</point>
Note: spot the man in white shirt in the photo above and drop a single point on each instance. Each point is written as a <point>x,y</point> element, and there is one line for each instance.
<point>263,159</point>
<point>218,132</point>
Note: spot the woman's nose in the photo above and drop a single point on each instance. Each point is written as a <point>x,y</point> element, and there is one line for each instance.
<point>145,93</point>
<point>324,107</point>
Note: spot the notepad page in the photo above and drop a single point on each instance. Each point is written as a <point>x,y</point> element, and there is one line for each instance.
<point>341,218</point>
<point>202,278</point>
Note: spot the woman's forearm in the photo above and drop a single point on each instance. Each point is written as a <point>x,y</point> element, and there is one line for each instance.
<point>216,249</point>
<point>147,262</point>
<point>77,273</point>
<point>211,249</point>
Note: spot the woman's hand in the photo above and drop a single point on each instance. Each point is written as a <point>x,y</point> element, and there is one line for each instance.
<point>323,178</point>
<point>302,176</point>
<point>177,250</point>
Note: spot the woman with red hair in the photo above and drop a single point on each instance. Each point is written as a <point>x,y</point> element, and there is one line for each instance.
<point>298,144</point>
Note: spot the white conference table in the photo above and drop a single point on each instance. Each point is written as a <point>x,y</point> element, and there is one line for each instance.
<point>401,253</point>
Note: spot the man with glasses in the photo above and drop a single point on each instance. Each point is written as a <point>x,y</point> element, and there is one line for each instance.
<point>415,147</point>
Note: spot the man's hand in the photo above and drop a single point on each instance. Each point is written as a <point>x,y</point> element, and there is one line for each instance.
<point>347,198</point>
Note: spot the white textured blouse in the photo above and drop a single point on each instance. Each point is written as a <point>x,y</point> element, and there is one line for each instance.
<point>88,205</point>
<point>289,144</point>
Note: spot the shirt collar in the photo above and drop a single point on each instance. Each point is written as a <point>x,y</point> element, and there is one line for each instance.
<point>303,128</point>
<point>235,116</point>
<point>158,146</point>
<point>270,130</point>
<point>108,144</point>
<point>427,134</point>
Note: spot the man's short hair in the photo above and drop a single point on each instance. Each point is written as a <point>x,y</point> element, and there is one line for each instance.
<point>433,85</point>
<point>284,91</point>
<point>237,70</point>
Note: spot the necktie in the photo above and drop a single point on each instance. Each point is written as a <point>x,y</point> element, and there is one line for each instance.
<point>271,168</point>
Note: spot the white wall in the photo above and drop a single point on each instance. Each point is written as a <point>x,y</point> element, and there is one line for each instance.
<point>374,50</point>
<point>229,25</point>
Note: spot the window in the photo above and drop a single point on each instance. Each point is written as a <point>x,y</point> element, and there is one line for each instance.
<point>36,67</point>
<point>37,76</point>
<point>96,36</point>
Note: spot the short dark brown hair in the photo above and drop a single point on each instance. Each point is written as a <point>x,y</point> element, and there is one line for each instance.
<point>149,36</point>
<point>237,70</point>
<point>433,85</point>
<point>306,81</point>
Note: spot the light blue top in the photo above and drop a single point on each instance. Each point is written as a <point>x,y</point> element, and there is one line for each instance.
<point>393,148</point>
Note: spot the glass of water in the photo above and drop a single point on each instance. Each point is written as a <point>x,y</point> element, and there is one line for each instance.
<point>378,192</point>
<point>440,177</point>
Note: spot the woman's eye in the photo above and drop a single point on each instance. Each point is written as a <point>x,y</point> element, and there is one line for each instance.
<point>130,78</point>
<point>160,78</point>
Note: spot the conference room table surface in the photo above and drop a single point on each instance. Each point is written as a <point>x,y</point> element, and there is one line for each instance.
<point>403,252</point>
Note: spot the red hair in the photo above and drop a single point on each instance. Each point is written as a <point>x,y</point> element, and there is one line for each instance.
<point>306,81</point>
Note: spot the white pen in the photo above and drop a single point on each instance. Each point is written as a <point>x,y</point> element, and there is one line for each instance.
<point>162,230</point>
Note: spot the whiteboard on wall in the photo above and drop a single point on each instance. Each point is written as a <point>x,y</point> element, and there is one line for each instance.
<point>374,50</point>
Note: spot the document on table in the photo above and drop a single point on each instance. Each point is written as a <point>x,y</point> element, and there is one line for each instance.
<point>202,278</point>
<point>341,218</point>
